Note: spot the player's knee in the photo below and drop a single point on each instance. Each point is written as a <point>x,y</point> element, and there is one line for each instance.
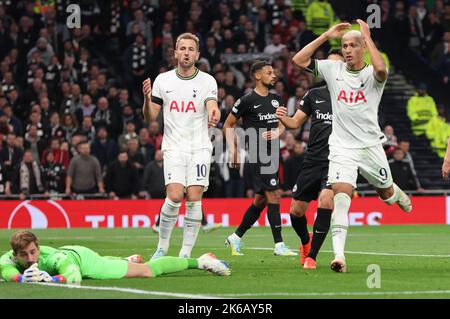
<point>298,208</point>
<point>326,199</point>
<point>259,202</point>
<point>175,197</point>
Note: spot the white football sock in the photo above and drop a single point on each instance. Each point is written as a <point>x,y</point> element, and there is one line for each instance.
<point>192,224</point>
<point>168,219</point>
<point>234,236</point>
<point>339,223</point>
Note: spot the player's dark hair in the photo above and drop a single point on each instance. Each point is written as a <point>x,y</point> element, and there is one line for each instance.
<point>335,51</point>
<point>22,239</point>
<point>258,65</point>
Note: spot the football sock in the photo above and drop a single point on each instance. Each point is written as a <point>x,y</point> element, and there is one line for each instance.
<point>250,217</point>
<point>169,216</point>
<point>395,197</point>
<point>192,223</point>
<point>157,221</point>
<point>274,217</point>
<point>300,226</point>
<point>168,264</point>
<point>320,231</point>
<point>339,223</point>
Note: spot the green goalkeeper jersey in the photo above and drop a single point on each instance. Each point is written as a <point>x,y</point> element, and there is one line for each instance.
<point>71,262</point>
<point>51,260</point>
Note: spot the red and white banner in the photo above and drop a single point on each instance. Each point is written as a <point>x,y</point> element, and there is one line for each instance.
<point>229,212</point>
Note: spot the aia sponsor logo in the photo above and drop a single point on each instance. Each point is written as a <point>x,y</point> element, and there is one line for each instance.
<point>182,107</point>
<point>38,215</point>
<point>352,97</point>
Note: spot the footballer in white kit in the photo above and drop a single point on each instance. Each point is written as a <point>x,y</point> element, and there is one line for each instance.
<point>186,145</point>
<point>356,139</point>
<point>188,98</point>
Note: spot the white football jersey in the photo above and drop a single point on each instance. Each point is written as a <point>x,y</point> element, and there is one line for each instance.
<point>183,100</point>
<point>355,97</point>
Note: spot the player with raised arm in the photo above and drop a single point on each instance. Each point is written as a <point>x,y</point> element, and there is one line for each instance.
<point>188,98</point>
<point>28,262</point>
<point>312,182</point>
<point>356,139</point>
<point>257,110</point>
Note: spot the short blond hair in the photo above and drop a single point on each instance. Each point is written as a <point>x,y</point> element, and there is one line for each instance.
<point>22,239</point>
<point>354,34</point>
<point>189,36</point>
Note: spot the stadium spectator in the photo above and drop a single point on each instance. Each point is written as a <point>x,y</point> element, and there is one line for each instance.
<point>421,108</point>
<point>84,175</point>
<point>440,56</point>
<point>86,108</point>
<point>122,179</point>
<point>11,155</point>
<point>391,143</point>
<point>135,156</point>
<point>146,148</point>
<point>401,171</point>
<point>292,166</point>
<point>54,174</point>
<point>287,143</point>
<point>104,116</point>
<point>293,102</point>
<point>28,177</point>
<point>34,143</point>
<point>416,34</point>
<point>12,120</point>
<point>404,146</point>
<point>233,178</point>
<point>153,185</point>
<point>104,148</point>
<point>87,128</point>
<point>275,47</point>
<point>128,115</point>
<point>129,134</point>
<point>45,51</point>
<point>5,184</point>
<point>55,147</point>
<point>54,128</point>
<point>319,16</point>
<point>69,126</point>
<point>155,135</point>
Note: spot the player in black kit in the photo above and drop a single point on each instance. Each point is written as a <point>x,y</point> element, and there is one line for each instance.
<point>257,110</point>
<point>312,180</point>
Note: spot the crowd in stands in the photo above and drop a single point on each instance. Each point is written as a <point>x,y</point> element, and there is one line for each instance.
<point>70,98</point>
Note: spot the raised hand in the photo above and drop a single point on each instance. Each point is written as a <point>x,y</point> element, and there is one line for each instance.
<point>281,112</point>
<point>147,89</point>
<point>337,30</point>
<point>365,30</point>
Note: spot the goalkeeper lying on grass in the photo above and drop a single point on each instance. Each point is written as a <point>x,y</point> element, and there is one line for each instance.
<point>27,262</point>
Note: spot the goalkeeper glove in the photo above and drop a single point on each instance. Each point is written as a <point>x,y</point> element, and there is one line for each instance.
<point>30,275</point>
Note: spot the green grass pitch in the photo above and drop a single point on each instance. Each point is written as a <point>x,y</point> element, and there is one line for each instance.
<point>414,263</point>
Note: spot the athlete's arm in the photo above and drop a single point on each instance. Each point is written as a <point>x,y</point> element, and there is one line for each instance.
<point>67,270</point>
<point>291,122</point>
<point>213,112</point>
<point>151,107</point>
<point>379,67</point>
<point>9,272</point>
<point>232,140</point>
<point>303,57</point>
<point>274,133</point>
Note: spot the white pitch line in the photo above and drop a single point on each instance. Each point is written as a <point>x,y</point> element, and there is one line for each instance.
<point>133,291</point>
<point>367,253</point>
<point>306,294</point>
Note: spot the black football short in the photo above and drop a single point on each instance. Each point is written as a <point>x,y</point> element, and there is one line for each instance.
<point>262,182</point>
<point>313,178</point>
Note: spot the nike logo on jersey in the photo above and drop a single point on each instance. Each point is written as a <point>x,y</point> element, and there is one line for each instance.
<point>320,232</point>
<point>256,106</point>
<point>169,91</point>
<point>319,101</point>
<point>338,79</point>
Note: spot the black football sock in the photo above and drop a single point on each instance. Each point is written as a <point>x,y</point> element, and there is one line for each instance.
<point>274,217</point>
<point>320,231</point>
<point>250,217</point>
<point>300,226</point>
<point>157,221</point>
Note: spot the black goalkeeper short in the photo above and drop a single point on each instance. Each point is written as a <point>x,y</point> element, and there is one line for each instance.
<point>313,178</point>
<point>263,182</point>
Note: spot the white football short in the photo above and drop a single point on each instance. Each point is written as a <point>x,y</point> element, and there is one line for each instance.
<point>370,161</point>
<point>187,168</point>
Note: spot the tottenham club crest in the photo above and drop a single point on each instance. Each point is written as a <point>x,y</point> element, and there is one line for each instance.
<point>275,103</point>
